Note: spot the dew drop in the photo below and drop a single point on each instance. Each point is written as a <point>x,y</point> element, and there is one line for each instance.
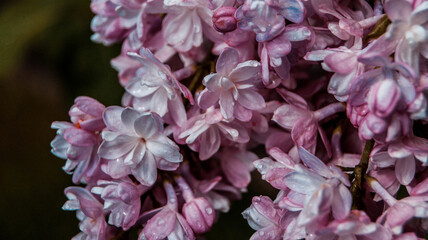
<point>161,222</point>
<point>261,233</point>
<point>209,210</point>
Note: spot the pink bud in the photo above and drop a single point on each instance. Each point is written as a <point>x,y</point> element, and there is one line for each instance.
<point>199,214</point>
<point>384,97</point>
<point>224,19</point>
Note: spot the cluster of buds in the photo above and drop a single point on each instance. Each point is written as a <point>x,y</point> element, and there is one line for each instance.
<point>216,89</point>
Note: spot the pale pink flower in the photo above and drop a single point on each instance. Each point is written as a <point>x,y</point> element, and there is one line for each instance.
<point>155,88</point>
<point>122,200</point>
<point>168,223</point>
<point>233,87</point>
<point>186,22</point>
<point>89,212</point>
<point>135,144</point>
<point>203,133</point>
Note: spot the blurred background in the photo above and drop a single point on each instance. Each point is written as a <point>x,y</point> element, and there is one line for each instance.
<point>46,60</point>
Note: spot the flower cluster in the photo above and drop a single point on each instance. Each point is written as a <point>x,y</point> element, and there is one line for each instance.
<point>326,99</point>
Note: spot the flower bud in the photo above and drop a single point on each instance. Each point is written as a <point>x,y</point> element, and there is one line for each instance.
<point>384,97</point>
<point>199,214</point>
<point>224,19</point>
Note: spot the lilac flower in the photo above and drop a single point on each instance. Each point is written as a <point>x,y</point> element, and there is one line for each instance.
<point>155,88</point>
<point>186,22</point>
<point>167,223</point>
<point>343,62</point>
<point>135,144</point>
<point>203,133</point>
<point>273,53</point>
<point>233,87</point>
<point>324,190</point>
<point>122,200</point>
<point>266,18</point>
<point>89,212</point>
<point>86,113</point>
<point>198,211</point>
<point>406,34</point>
<point>356,225</point>
<point>78,143</point>
<point>116,19</point>
<point>263,217</point>
<point>399,211</point>
<point>302,122</point>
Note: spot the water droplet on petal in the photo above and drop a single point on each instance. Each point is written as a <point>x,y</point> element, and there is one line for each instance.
<point>161,222</point>
<point>209,210</point>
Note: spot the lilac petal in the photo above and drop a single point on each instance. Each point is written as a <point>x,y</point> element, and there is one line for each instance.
<point>420,14</point>
<point>341,62</point>
<point>160,226</point>
<point>164,149</point>
<point>245,71</point>
<point>304,134</point>
<point>281,157</point>
<point>145,172</point>
<point>405,170</point>
<point>226,104</point>
<point>227,61</point>
<point>128,117</point>
<point>89,105</point>
<point>235,171</point>
<point>398,214</point>
<point>209,143</point>
<point>305,182</point>
<point>207,98</point>
<point>177,111</point>
<point>90,206</point>
<point>79,137</point>
<point>136,155</point>
<point>287,115</point>
<point>112,119</point>
<point>211,81</point>
<point>383,160</point>
<point>137,89</point>
<point>314,163</point>
<point>159,102</point>
<point>293,10</point>
<point>117,147</point>
<point>245,115</point>
<point>398,9</point>
<point>116,169</point>
<point>342,203</point>
<point>251,99</point>
<point>148,125</point>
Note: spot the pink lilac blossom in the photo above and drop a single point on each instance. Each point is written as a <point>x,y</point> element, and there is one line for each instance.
<point>272,81</point>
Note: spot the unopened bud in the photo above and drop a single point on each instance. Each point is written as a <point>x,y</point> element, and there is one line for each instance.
<point>224,19</point>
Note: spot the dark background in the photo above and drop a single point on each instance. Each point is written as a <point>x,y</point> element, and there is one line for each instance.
<point>46,60</point>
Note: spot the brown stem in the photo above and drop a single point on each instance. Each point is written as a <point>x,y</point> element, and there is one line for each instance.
<point>359,172</point>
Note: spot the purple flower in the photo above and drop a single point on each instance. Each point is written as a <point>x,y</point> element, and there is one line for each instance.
<point>264,217</point>
<point>233,87</point>
<point>135,144</point>
<point>167,223</point>
<point>78,143</point>
<point>303,122</point>
<point>266,18</point>
<point>122,200</point>
<point>203,133</point>
<point>154,88</point>
<point>89,212</point>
